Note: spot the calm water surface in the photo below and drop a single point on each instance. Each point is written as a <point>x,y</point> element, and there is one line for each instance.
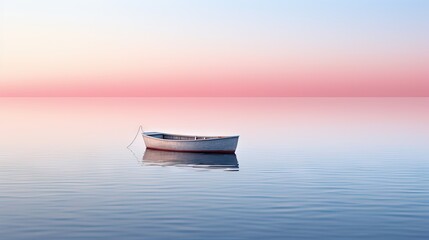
<point>304,169</point>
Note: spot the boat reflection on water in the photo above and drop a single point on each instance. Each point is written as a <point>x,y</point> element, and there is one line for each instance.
<point>197,160</point>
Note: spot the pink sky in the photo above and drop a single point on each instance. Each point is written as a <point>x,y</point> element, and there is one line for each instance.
<point>239,48</point>
<point>330,82</point>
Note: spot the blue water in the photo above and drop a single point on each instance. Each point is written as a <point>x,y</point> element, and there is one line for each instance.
<point>305,170</point>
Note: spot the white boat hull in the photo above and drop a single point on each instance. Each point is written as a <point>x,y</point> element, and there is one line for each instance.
<point>198,144</point>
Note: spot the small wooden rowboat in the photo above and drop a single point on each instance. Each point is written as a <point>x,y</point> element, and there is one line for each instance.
<point>183,143</point>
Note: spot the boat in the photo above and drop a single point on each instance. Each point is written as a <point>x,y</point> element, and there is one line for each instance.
<point>195,160</point>
<point>185,143</point>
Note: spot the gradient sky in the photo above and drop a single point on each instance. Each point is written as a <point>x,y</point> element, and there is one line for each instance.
<point>214,48</point>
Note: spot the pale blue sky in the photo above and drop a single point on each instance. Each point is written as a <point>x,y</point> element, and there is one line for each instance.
<point>49,38</point>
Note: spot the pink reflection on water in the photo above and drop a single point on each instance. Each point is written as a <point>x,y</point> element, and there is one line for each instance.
<point>78,122</point>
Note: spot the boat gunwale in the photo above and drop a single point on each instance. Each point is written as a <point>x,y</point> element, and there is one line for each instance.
<point>212,138</point>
